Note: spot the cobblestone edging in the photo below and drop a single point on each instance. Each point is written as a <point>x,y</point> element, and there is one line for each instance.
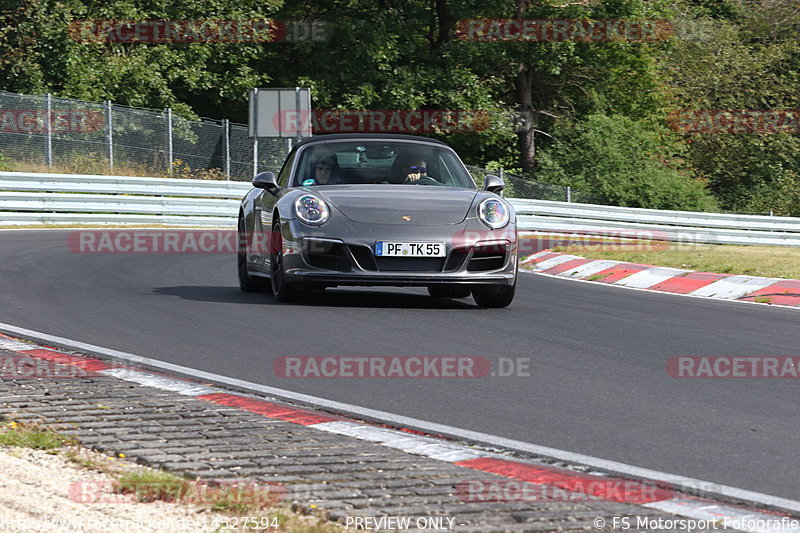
<point>339,476</point>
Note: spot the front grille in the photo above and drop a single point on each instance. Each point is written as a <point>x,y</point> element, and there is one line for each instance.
<point>364,257</point>
<point>485,258</point>
<point>326,255</point>
<point>456,258</point>
<point>410,264</point>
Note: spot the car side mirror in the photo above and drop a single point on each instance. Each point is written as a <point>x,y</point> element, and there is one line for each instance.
<point>493,184</point>
<point>265,180</point>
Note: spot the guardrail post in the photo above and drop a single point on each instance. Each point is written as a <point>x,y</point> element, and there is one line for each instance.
<point>48,142</point>
<point>169,140</point>
<point>109,135</point>
<point>255,156</point>
<point>297,105</point>
<point>226,142</point>
<point>569,193</point>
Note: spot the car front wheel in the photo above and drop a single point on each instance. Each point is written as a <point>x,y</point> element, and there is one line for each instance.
<point>247,283</point>
<point>494,295</point>
<point>281,290</point>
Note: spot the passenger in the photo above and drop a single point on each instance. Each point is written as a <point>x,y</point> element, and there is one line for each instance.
<point>326,170</point>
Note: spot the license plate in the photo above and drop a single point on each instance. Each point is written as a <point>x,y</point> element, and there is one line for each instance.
<point>409,249</point>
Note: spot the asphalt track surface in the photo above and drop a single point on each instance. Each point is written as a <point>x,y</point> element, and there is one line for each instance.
<point>598,354</point>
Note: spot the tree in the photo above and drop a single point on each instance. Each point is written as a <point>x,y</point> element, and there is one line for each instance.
<point>547,80</point>
<point>740,59</point>
<point>37,55</point>
<point>626,162</point>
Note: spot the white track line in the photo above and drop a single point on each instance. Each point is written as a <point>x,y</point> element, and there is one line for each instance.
<point>160,382</point>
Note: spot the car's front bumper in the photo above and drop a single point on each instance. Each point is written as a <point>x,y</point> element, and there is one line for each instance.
<point>397,279</point>
<point>473,256</point>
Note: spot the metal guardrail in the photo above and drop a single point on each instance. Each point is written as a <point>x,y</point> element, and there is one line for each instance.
<point>654,224</point>
<point>72,219</point>
<point>655,216</point>
<point>45,182</point>
<point>148,205</point>
<point>41,198</point>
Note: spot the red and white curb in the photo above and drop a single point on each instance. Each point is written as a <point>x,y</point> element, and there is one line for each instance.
<point>594,485</point>
<point>773,291</point>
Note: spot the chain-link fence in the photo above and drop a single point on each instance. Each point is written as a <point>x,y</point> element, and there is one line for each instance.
<point>106,138</point>
<point>517,186</point>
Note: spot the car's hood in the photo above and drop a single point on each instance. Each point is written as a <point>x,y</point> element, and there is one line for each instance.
<point>426,205</point>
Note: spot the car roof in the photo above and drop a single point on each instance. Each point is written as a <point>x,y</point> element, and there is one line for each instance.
<point>367,137</point>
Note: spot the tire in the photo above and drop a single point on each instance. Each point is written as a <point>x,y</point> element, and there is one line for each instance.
<point>494,295</point>
<point>449,291</point>
<point>281,290</point>
<point>247,283</point>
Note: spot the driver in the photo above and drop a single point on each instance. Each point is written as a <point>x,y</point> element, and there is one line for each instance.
<point>417,168</point>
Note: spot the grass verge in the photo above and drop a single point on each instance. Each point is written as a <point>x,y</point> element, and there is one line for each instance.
<point>767,261</point>
<point>257,502</point>
<point>32,436</point>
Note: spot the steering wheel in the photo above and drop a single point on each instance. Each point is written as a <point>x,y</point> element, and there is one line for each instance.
<point>425,180</point>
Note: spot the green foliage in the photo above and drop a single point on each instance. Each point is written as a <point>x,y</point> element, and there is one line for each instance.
<point>624,161</point>
<point>740,59</point>
<point>756,172</point>
<point>32,436</point>
<point>5,165</point>
<point>37,55</point>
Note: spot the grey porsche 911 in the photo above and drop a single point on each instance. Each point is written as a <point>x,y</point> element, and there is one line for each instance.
<point>370,210</point>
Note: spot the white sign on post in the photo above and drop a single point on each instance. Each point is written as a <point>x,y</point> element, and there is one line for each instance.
<point>283,112</point>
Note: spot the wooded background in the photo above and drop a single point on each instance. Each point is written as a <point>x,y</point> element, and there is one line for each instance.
<point>592,115</point>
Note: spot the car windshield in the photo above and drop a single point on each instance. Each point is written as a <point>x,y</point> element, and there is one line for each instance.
<point>380,162</point>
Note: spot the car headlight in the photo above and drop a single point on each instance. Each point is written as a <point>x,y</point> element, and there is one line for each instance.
<point>311,210</point>
<point>494,213</point>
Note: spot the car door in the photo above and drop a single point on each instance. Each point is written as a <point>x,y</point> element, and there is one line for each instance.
<point>265,207</point>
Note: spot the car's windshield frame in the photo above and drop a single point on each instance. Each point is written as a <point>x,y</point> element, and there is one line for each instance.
<point>446,161</point>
